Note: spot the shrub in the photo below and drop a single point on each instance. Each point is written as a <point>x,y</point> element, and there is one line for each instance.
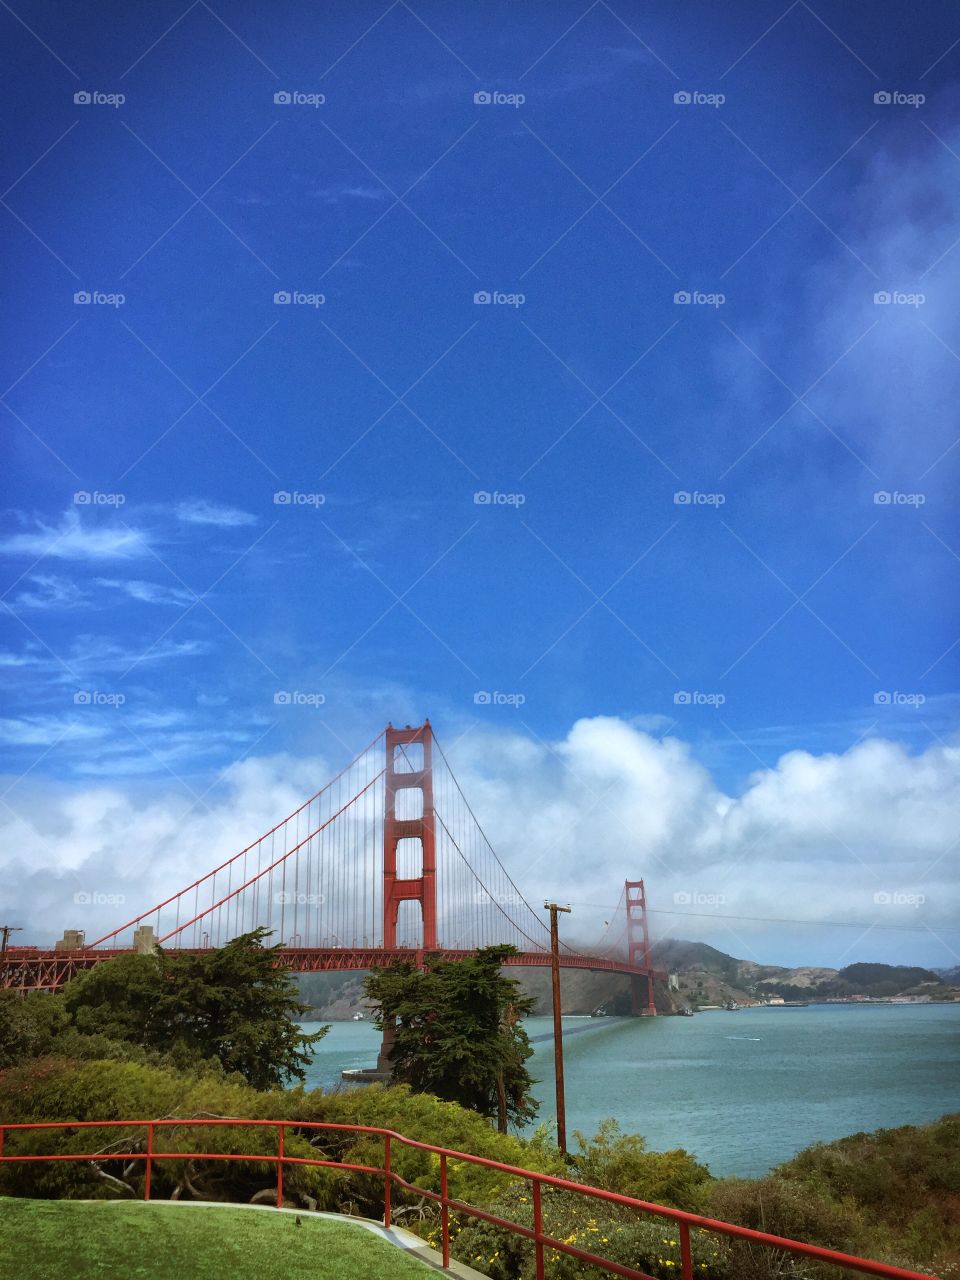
<point>620,1162</point>
<point>615,1233</point>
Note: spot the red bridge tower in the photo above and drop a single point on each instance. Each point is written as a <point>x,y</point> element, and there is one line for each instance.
<point>404,775</point>
<point>638,947</point>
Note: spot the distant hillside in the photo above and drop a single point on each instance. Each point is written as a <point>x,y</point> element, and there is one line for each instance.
<point>706,976</point>
<point>677,956</point>
<point>333,995</point>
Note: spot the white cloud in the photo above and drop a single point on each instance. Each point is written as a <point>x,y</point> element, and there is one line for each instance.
<point>148,592</point>
<point>344,191</point>
<point>884,377</point>
<point>202,511</point>
<point>47,591</point>
<point>12,660</point>
<point>813,838</point>
<point>43,731</point>
<point>90,655</point>
<point>74,539</point>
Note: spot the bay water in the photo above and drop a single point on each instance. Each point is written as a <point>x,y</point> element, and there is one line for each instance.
<point>743,1090</point>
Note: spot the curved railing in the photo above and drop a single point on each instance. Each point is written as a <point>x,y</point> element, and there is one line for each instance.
<point>684,1221</point>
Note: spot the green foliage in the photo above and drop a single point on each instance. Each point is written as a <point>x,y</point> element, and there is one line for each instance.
<point>118,999</point>
<point>232,1004</point>
<point>783,1209</point>
<point>39,1024</point>
<point>156,1037</point>
<point>903,1184</point>
<point>875,980</point>
<point>50,1088</point>
<point>458,1032</point>
<point>884,979</point>
<point>617,1234</point>
<point>620,1162</point>
<point>425,1118</point>
<point>28,1025</point>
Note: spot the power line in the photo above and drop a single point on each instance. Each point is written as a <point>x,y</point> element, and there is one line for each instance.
<point>824,924</point>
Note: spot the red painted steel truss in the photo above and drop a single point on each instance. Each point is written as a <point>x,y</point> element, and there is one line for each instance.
<point>31,969</point>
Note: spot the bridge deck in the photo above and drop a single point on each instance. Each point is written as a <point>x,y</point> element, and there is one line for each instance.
<point>36,969</point>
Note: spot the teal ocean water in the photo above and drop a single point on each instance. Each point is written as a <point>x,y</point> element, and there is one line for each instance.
<point>743,1091</point>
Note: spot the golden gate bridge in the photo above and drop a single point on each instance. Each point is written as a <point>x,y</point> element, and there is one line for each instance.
<point>386,862</point>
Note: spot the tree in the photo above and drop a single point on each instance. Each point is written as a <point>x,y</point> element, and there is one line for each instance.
<point>458,1032</point>
<point>118,999</point>
<point>28,1025</point>
<point>233,1003</point>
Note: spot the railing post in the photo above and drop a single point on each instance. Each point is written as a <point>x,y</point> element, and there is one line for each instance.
<point>280,1167</point>
<point>538,1227</point>
<point>444,1211</point>
<point>386,1179</point>
<point>146,1181</point>
<point>686,1261</point>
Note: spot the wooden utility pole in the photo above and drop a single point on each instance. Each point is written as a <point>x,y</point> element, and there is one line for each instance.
<point>554,909</point>
<point>6,930</point>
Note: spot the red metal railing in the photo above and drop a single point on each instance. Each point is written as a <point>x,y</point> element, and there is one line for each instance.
<point>542,1241</point>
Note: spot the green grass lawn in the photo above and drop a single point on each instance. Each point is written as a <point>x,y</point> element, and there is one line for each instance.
<point>72,1240</point>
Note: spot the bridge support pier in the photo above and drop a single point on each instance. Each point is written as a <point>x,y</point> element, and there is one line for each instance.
<point>641,997</point>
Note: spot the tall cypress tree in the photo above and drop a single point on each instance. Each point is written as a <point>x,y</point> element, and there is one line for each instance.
<point>459,1033</point>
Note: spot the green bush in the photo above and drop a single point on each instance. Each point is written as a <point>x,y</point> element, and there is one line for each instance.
<point>54,1088</point>
<point>425,1119</point>
<point>612,1232</point>
<point>902,1185</point>
<point>621,1162</point>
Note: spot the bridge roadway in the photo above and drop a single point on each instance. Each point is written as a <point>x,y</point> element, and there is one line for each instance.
<point>36,969</point>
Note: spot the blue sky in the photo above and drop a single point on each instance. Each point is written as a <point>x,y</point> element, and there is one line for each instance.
<point>783,608</point>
